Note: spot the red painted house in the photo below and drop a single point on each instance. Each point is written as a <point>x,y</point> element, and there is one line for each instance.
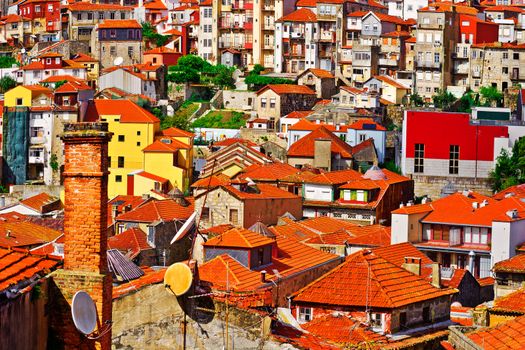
<point>47,10</point>
<point>450,145</point>
<point>473,30</point>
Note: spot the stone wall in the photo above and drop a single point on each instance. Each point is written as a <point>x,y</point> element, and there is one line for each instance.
<point>260,136</point>
<point>432,185</point>
<point>151,318</point>
<point>461,341</point>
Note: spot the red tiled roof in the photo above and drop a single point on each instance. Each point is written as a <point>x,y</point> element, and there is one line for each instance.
<point>502,8</point>
<point>298,114</point>
<point>13,18</point>
<point>155,5</point>
<point>390,81</point>
<point>176,132</point>
<point>159,210</point>
<point>268,172</point>
<point>516,264</point>
<point>211,181</point>
<point>150,277</point>
<point>513,302</point>
<point>517,191</point>
<point>233,140</point>
<point>396,34</point>
<point>300,339</point>
<point>411,40</point>
<point>388,286</point>
<point>507,335</point>
<point>17,266</point>
<point>38,201</point>
<point>80,57</point>
<point>456,279</point>
<point>325,224</point>
<point>72,87</point>
<point>284,89</point>
<point>152,177</point>
<point>306,3</point>
<point>353,90</point>
<point>343,330</point>
<point>369,236</point>
<point>397,253</point>
<point>217,230</point>
<point>22,234</point>
<point>448,7</point>
<point>88,6</point>
<point>49,248</point>
<point>304,147</point>
<point>12,216</point>
<point>486,281</point>
<point>59,78</point>
<point>240,278</point>
<point>239,238</point>
<point>498,45</point>
<point>266,192</point>
<point>119,23</point>
<point>124,202</point>
<point>171,145</point>
<point>359,124</point>
<point>128,111</point>
<point>320,73</point>
<point>130,242</point>
<point>300,15</point>
<point>337,177</point>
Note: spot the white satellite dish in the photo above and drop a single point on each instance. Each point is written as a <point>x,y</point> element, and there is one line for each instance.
<point>118,61</point>
<point>84,312</point>
<point>185,228</point>
<point>23,50</point>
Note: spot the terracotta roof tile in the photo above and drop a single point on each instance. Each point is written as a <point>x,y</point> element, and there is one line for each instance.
<point>344,331</point>
<point>516,264</point>
<point>456,279</point>
<point>59,78</point>
<point>128,111</point>
<point>284,89</point>
<point>268,172</point>
<point>166,145</point>
<point>130,242</point>
<point>217,230</point>
<point>72,87</point>
<point>211,181</point>
<point>390,81</point>
<point>517,191</point>
<point>320,73</point>
<point>304,147</point>
<point>486,281</point>
<point>346,286</point>
<point>149,278</point>
<point>513,302</point>
<point>369,236</point>
<point>306,3</point>
<point>176,132</point>
<point>265,192</point>
<point>25,234</point>
<point>298,114</point>
<point>20,266</point>
<point>38,201</point>
<point>506,335</point>
<point>80,57</point>
<point>239,238</point>
<point>300,15</point>
<point>325,224</point>
<point>152,177</point>
<point>158,210</point>
<point>337,177</point>
<point>88,6</point>
<point>119,23</point>
<point>123,203</point>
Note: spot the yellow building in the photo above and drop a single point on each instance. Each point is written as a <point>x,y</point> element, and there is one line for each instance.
<point>142,159</point>
<point>27,96</point>
<point>92,67</point>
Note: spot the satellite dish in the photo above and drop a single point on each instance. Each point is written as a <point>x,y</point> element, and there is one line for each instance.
<point>84,312</point>
<point>178,278</point>
<point>185,228</point>
<point>23,50</point>
<point>118,61</point>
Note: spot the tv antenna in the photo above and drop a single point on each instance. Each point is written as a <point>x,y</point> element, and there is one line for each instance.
<point>84,314</point>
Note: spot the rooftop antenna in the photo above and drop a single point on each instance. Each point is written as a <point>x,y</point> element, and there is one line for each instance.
<point>118,61</point>
<point>84,314</point>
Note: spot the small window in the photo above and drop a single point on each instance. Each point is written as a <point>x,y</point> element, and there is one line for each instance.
<point>419,158</point>
<point>138,133</point>
<point>19,101</point>
<point>305,314</point>
<point>138,143</point>
<point>120,162</point>
<point>403,319</point>
<point>205,215</point>
<point>121,138</point>
<point>453,165</point>
<point>234,217</point>
<point>151,235</point>
<point>118,178</point>
<point>426,314</point>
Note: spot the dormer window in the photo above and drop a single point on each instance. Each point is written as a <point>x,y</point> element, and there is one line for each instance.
<point>48,60</point>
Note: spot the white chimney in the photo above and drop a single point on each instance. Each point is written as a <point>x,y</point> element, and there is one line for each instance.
<point>475,205</point>
<point>484,203</point>
<point>513,214</point>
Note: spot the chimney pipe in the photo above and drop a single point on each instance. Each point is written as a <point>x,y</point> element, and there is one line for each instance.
<point>412,265</point>
<point>2,201</point>
<point>436,275</point>
<point>263,276</point>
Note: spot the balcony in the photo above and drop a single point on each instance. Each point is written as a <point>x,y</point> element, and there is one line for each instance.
<point>269,26</point>
<point>241,5</point>
<point>268,7</point>
<point>36,160</point>
<point>269,46</point>
<point>428,64</point>
<point>38,140</point>
<point>461,69</point>
<point>388,62</point>
<point>328,36</point>
<point>430,26</point>
<point>296,35</point>
<point>476,74</point>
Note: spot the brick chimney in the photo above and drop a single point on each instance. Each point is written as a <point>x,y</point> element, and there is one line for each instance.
<point>85,229</point>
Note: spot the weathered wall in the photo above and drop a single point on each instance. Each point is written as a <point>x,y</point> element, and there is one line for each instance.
<point>432,185</point>
<point>260,135</point>
<point>151,318</point>
<point>461,341</point>
<point>23,320</point>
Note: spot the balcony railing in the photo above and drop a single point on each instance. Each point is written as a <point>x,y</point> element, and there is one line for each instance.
<point>428,64</point>
<point>36,160</point>
<point>38,140</point>
<point>388,62</point>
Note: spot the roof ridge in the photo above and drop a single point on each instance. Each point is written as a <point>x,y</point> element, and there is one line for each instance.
<point>227,266</point>
<point>20,257</point>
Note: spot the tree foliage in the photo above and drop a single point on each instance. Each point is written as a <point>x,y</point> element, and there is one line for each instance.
<point>491,96</point>
<point>416,100</point>
<point>6,83</point>
<point>7,61</point>
<point>443,100</point>
<point>194,69</point>
<point>255,80</point>
<point>150,34</point>
<point>467,101</point>
<point>510,167</point>
<point>236,121</point>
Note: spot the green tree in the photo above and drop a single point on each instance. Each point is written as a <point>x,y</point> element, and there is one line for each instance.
<point>491,96</point>
<point>150,34</point>
<point>416,100</point>
<point>510,167</point>
<point>6,83</point>
<point>467,101</point>
<point>443,100</point>
<point>7,61</point>
<point>224,77</point>
<point>188,69</point>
